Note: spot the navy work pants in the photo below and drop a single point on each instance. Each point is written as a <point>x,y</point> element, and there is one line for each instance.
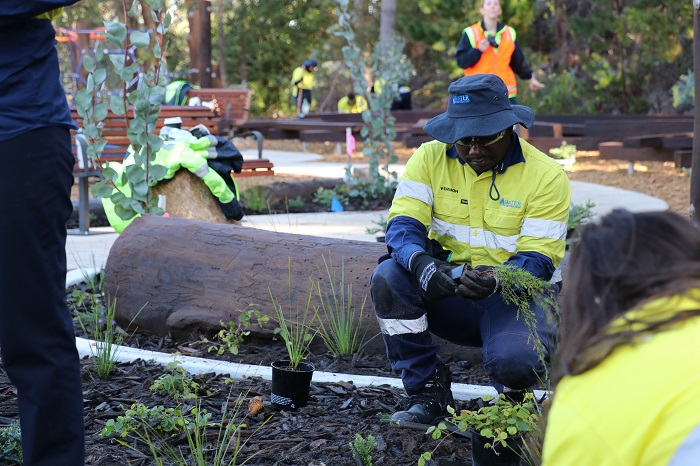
<point>37,342</point>
<point>408,321</point>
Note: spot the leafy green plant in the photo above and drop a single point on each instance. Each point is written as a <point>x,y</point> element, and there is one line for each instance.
<point>296,330</point>
<point>296,203</point>
<point>498,421</point>
<point>564,152</point>
<point>388,64</point>
<point>94,101</point>
<point>579,214</point>
<point>11,443</point>
<point>684,92</point>
<point>324,196</point>
<point>362,449</point>
<point>232,337</point>
<point>341,334</point>
<point>256,199</point>
<point>176,383</point>
<point>151,429</point>
<point>381,223</point>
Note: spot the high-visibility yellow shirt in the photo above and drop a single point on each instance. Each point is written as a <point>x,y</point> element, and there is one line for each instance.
<point>485,220</point>
<point>307,80</point>
<point>638,407</point>
<point>359,106</point>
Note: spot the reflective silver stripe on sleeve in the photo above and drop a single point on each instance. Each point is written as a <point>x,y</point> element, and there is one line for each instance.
<point>415,190</point>
<point>212,140</point>
<point>688,452</point>
<point>211,153</point>
<point>460,233</point>
<point>402,326</point>
<point>543,228</point>
<point>202,171</point>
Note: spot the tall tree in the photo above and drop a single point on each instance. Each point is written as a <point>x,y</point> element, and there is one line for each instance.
<point>387,24</point>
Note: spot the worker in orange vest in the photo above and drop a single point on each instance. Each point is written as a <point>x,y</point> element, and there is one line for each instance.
<point>490,47</point>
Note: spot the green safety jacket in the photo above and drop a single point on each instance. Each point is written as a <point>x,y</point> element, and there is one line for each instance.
<point>196,157</point>
<point>176,92</point>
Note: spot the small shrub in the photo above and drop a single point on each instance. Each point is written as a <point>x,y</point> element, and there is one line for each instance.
<point>362,448</point>
<point>324,196</point>
<point>177,383</point>
<point>232,337</point>
<point>256,199</point>
<point>11,443</point>
<point>564,152</point>
<point>296,203</point>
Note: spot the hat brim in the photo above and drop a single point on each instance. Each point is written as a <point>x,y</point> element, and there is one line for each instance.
<point>450,130</point>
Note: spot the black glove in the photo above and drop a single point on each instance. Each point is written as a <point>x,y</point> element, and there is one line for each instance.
<point>433,276</point>
<point>477,283</point>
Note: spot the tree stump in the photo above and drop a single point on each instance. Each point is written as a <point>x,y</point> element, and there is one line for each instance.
<point>183,277</point>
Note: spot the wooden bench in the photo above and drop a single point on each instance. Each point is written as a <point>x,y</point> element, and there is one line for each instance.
<point>231,106</point>
<point>114,131</point>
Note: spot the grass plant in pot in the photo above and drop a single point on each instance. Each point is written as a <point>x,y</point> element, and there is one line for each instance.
<point>497,430</point>
<point>291,378</point>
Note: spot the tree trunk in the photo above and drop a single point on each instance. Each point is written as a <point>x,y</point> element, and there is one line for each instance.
<point>387,23</point>
<point>183,277</point>
<point>193,39</point>
<point>205,44</point>
<point>221,43</point>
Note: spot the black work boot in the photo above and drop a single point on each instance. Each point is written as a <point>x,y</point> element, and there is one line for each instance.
<point>431,402</point>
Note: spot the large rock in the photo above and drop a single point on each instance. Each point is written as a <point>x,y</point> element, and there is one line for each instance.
<point>188,197</point>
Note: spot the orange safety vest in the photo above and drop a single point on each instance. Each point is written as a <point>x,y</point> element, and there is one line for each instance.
<point>492,61</point>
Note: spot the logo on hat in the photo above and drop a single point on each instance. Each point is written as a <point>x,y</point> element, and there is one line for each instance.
<point>460,99</point>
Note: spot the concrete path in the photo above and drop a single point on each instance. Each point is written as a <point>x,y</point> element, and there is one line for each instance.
<point>92,250</point>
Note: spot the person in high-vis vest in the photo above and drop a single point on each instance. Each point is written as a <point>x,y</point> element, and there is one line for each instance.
<point>491,47</point>
<point>204,157</point>
<point>303,82</point>
<point>627,371</point>
<point>176,92</point>
<point>477,196</point>
<point>37,342</point>
<point>352,103</point>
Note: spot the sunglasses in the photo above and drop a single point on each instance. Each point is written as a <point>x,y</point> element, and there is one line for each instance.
<point>482,141</point>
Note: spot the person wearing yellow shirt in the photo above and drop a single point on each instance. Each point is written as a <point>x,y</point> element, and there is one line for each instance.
<point>352,103</point>
<point>302,83</point>
<point>627,370</point>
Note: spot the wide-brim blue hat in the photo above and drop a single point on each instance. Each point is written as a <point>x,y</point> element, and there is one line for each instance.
<point>478,105</point>
<point>310,62</point>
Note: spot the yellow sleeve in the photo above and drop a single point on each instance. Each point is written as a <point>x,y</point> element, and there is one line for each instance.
<point>50,15</point>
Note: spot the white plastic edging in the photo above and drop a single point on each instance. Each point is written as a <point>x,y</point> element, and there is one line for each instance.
<point>238,371</point>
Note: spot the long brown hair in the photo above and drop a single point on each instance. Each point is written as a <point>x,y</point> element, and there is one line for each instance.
<point>619,263</point>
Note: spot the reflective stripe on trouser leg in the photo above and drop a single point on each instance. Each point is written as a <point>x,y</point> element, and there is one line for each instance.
<point>403,321</point>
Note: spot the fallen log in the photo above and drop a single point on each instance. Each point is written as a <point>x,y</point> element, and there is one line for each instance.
<point>172,276</point>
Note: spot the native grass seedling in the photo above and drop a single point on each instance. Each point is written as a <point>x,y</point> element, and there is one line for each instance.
<point>499,420</point>
<point>256,199</point>
<point>381,224</point>
<point>209,443</point>
<point>177,383</point>
<point>295,328</point>
<point>11,443</point>
<point>340,333</point>
<point>232,338</point>
<point>296,203</point>
<point>578,215</point>
<point>362,449</point>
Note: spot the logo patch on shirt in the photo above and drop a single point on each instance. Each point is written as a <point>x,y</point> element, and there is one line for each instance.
<point>447,188</point>
<point>464,201</point>
<point>511,204</point>
<point>460,99</point>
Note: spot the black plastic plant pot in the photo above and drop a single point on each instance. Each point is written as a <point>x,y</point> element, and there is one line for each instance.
<point>507,456</point>
<point>290,387</point>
